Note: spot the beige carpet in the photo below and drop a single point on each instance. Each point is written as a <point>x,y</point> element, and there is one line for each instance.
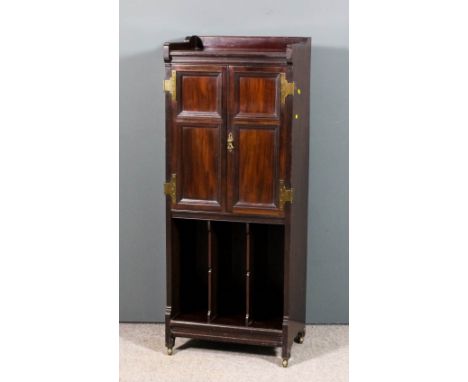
<point>322,357</point>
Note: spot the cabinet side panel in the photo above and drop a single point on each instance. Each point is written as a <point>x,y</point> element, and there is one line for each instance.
<point>169,261</point>
<point>300,182</point>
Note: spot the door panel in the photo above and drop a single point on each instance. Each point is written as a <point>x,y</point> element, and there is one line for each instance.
<point>198,133</point>
<point>200,94</point>
<point>257,166</point>
<point>257,95</point>
<point>199,169</point>
<point>257,163</point>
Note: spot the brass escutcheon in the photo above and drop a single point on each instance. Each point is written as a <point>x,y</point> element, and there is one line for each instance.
<point>230,142</point>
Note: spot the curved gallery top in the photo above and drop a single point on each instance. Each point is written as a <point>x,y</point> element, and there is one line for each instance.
<point>241,46</point>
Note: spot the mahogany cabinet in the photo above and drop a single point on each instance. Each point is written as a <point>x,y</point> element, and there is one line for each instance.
<point>237,141</point>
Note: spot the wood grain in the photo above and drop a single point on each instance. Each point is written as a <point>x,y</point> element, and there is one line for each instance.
<point>257,95</point>
<point>200,157</point>
<point>257,166</point>
<point>200,93</point>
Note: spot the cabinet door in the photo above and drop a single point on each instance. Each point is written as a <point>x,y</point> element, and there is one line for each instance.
<point>197,130</point>
<point>256,157</point>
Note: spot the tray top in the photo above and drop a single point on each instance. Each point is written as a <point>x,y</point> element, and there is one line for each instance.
<point>219,46</point>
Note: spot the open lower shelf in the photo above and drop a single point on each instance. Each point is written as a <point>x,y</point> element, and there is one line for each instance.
<point>228,273</point>
<point>232,320</point>
<point>229,319</point>
<point>194,316</point>
<point>270,323</point>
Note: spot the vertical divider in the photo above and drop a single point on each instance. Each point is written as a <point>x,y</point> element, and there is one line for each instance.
<point>248,275</point>
<point>209,315</point>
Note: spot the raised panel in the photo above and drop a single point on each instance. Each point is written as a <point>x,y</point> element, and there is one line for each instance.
<point>256,95</point>
<point>200,93</point>
<point>199,165</point>
<point>257,159</point>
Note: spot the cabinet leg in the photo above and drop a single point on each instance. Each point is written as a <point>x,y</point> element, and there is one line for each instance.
<point>285,354</point>
<point>170,341</point>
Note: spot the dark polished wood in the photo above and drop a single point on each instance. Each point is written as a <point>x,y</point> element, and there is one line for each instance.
<point>254,119</point>
<point>236,246</point>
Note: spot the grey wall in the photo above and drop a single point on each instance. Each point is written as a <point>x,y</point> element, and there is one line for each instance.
<point>144,26</point>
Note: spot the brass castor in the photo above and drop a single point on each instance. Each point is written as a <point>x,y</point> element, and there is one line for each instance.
<point>285,363</point>
<point>169,351</point>
<point>299,338</point>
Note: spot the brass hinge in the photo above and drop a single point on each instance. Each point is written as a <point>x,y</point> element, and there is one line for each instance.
<point>287,88</point>
<point>286,194</point>
<point>170,85</point>
<point>171,187</point>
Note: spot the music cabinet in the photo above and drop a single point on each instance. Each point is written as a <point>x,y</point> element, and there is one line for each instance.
<point>237,153</point>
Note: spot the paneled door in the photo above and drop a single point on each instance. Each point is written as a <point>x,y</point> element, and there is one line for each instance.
<point>256,136</point>
<point>198,117</point>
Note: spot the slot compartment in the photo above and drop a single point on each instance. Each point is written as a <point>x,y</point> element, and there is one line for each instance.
<point>190,259</point>
<point>228,252</point>
<point>266,291</point>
